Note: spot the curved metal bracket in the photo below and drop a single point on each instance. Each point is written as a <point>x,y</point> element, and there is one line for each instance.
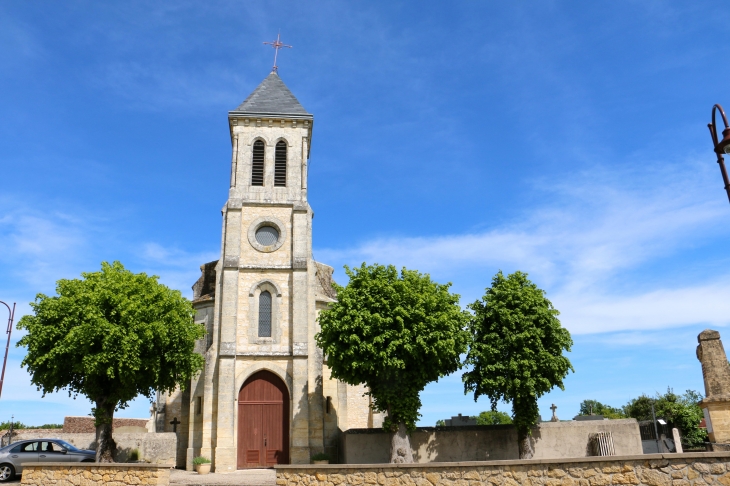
<point>715,142</point>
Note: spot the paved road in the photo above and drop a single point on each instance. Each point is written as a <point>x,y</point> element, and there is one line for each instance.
<point>248,477</point>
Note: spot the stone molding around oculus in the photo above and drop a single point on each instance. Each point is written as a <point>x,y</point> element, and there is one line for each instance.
<point>266,221</point>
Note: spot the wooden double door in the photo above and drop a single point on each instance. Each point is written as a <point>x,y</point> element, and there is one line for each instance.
<point>263,421</point>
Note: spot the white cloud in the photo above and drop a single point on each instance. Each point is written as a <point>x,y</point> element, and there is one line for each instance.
<point>177,268</point>
<point>706,304</point>
<point>586,236</point>
<point>40,247</point>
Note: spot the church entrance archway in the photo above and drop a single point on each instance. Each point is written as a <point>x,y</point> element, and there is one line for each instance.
<point>263,421</point>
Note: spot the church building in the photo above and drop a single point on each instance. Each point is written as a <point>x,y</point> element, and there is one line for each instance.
<point>265,395</point>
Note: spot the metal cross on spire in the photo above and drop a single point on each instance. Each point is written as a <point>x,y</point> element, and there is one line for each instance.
<point>277,44</point>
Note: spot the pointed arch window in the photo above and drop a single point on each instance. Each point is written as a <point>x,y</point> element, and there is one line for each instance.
<point>280,165</point>
<point>265,314</point>
<point>257,166</point>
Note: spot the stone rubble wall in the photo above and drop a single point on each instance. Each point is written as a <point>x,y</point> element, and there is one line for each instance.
<point>31,433</point>
<point>64,474</point>
<point>691,469</point>
<point>153,448</point>
<point>85,424</point>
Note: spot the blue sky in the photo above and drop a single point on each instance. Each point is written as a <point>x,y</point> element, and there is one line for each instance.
<point>564,139</point>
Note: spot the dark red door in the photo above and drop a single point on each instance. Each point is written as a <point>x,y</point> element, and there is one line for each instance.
<point>263,421</point>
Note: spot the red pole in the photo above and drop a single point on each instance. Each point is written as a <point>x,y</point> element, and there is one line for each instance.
<point>7,347</point>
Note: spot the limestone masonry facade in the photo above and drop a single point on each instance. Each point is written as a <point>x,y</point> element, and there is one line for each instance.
<point>259,304</point>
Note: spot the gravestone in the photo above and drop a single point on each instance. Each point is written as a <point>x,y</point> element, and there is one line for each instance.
<point>554,418</point>
<point>716,373</point>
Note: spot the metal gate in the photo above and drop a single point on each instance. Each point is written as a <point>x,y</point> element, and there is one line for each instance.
<point>602,444</point>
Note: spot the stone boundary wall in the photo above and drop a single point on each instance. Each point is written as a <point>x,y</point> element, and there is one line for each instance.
<point>550,440</point>
<point>85,424</point>
<point>91,474</point>
<point>159,448</point>
<point>28,433</point>
<point>691,469</point>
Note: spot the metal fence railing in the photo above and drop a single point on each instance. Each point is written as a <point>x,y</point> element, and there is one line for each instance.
<point>648,432</point>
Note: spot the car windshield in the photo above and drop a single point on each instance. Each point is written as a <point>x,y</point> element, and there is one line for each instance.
<point>67,446</point>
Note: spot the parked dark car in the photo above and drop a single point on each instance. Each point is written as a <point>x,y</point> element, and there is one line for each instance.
<point>38,450</point>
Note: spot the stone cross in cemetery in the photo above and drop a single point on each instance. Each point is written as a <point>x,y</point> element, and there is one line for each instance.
<point>554,418</point>
<point>716,372</point>
<point>174,424</point>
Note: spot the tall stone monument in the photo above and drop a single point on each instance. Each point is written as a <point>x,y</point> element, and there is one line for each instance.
<point>716,372</point>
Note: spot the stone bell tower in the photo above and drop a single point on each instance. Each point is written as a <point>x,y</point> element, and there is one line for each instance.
<point>265,396</point>
<point>267,311</point>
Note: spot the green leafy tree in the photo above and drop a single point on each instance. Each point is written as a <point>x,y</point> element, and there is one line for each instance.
<point>594,407</point>
<point>516,350</point>
<point>493,417</point>
<point>16,425</point>
<point>639,408</point>
<point>680,411</point>
<point>111,336</point>
<point>394,333</point>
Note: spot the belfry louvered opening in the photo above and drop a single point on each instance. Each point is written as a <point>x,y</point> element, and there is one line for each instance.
<point>280,165</point>
<point>265,314</point>
<point>257,167</point>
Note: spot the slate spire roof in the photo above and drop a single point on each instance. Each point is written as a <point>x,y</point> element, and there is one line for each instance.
<point>271,97</point>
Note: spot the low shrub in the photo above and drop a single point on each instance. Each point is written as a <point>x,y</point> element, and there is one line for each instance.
<point>201,460</point>
<point>321,456</point>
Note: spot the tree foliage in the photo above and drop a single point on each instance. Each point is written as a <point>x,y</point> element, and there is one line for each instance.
<point>516,350</point>
<point>594,407</point>
<point>20,425</point>
<point>681,411</point>
<point>111,336</point>
<point>394,333</point>
<point>493,417</point>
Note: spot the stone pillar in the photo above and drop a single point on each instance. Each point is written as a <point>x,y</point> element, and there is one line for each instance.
<point>716,373</point>
<point>225,450</point>
<point>300,340</point>
<point>299,450</point>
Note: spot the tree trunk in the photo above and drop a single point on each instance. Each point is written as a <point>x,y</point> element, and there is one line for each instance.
<point>523,439</point>
<point>400,446</point>
<point>104,417</point>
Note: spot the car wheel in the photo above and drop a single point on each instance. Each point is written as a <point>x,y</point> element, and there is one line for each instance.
<point>88,460</point>
<point>7,472</point>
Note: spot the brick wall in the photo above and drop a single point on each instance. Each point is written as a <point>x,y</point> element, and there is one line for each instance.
<point>692,469</point>
<point>85,425</point>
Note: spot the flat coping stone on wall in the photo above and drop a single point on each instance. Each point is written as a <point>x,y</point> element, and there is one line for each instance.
<point>130,465</point>
<point>514,462</point>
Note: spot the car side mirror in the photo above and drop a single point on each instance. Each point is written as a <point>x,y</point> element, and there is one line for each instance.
<point>64,451</point>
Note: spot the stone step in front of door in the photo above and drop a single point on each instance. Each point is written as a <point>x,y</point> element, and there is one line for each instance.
<point>246,477</point>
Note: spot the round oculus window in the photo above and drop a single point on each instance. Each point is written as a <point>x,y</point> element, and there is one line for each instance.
<point>267,235</point>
